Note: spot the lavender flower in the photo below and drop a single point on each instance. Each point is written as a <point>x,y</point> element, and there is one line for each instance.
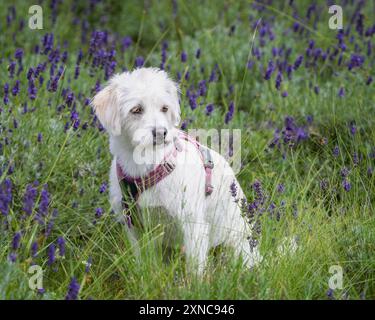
<point>99,212</point>
<point>198,53</point>
<point>269,70</point>
<point>76,72</point>
<point>336,151</point>
<point>280,188</point>
<point>126,43</point>
<point>51,254</point>
<point>5,196</point>
<point>73,290</point>
<point>342,92</point>
<point>346,184</point>
<point>278,81</point>
<point>330,294</point>
<point>6,92</point>
<point>229,114</point>
<point>79,56</point>
<point>32,89</point>
<point>355,159</point>
<point>233,189</point>
<point>183,56</point>
<point>16,241</point>
<point>43,205</point>
<point>103,187</point>
<point>18,55</point>
<point>61,244</point>
<point>16,88</point>
<point>298,62</point>
<point>11,69</point>
<point>209,109</point>
<point>13,257</point>
<point>192,100</point>
<point>51,222</point>
<point>29,199</point>
<point>344,172</point>
<point>356,61</point>
<point>202,88</point>
<point>34,249</point>
<point>139,61</point>
<point>353,128</point>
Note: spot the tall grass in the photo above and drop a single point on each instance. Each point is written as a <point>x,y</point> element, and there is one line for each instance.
<point>333,226</point>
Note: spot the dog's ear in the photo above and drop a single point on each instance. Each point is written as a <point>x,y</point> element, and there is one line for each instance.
<point>174,91</point>
<point>106,108</point>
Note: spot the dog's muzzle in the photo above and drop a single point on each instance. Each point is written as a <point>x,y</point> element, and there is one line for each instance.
<point>159,134</point>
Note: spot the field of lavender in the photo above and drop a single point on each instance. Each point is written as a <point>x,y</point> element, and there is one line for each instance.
<point>302,94</point>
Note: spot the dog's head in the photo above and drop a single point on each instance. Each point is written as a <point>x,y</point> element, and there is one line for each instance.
<point>141,105</point>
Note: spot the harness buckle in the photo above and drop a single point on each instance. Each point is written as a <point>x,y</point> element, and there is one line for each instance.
<point>169,167</point>
<point>209,164</point>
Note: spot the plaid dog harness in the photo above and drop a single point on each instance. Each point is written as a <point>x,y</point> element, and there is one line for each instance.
<point>132,187</point>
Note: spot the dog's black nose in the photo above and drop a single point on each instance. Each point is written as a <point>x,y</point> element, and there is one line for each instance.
<point>159,133</point>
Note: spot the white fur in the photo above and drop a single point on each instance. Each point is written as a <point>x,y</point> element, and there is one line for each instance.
<point>205,221</point>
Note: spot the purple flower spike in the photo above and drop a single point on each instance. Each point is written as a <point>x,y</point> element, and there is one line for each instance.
<point>183,56</point>
<point>279,79</point>
<point>34,249</point>
<point>342,92</point>
<point>103,187</point>
<point>233,189</point>
<point>16,241</point>
<point>51,254</point>
<point>5,196</point>
<point>29,199</point>
<point>43,205</point>
<point>73,290</point>
<point>209,109</point>
<point>229,114</point>
<point>346,184</point>
<point>269,70</point>
<point>61,244</point>
<point>353,128</point>
<point>336,151</point>
<point>13,257</point>
<point>280,188</point>
<point>139,61</point>
<point>198,53</point>
<point>99,212</point>
<point>298,62</point>
<point>16,88</point>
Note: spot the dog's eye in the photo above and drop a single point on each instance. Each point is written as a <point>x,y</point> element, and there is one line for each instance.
<point>137,110</point>
<point>164,108</point>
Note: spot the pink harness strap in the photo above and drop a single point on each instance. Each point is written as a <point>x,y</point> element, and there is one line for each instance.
<point>206,159</point>
<point>167,166</point>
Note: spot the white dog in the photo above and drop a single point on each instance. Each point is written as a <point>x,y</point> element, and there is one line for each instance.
<point>140,110</point>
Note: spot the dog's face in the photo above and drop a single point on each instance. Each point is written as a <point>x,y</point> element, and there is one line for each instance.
<point>142,106</point>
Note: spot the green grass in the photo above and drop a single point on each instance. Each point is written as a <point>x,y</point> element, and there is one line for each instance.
<point>333,227</point>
